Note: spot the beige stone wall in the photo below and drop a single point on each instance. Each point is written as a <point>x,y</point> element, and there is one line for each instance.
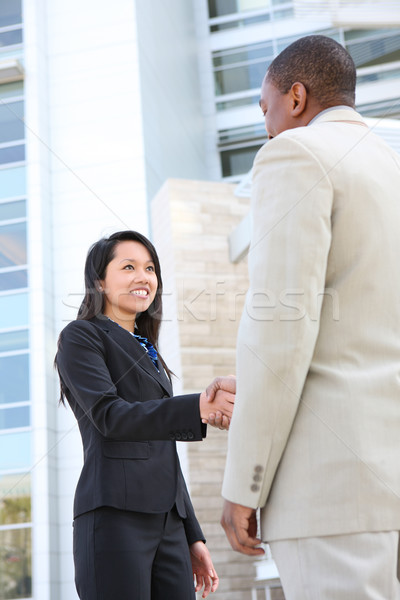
<point>204,296</point>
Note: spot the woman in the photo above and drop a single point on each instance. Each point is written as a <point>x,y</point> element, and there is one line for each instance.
<point>136,536</point>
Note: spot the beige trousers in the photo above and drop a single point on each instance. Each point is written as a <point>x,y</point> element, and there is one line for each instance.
<point>363,566</point>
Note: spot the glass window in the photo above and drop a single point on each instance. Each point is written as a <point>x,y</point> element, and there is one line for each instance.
<point>13,310</point>
<point>243,134</point>
<point>9,38</point>
<point>15,498</point>
<point>356,34</point>
<point>378,75</point>
<point>10,12</point>
<point>11,121</point>
<point>218,8</point>
<point>286,13</point>
<point>241,78</point>
<point>13,280</point>
<point>242,22</point>
<point>245,54</point>
<point>15,450</point>
<point>238,161</point>
<point>247,12</point>
<point>228,104</point>
<point>244,5</point>
<point>14,377</point>
<point>241,68</point>
<point>12,210</point>
<point>283,43</point>
<point>12,182</point>
<point>14,340</point>
<point>12,154</point>
<point>9,90</point>
<point>16,563</point>
<point>14,417</point>
<point>374,48</point>
<point>12,244</point>
<point>384,109</point>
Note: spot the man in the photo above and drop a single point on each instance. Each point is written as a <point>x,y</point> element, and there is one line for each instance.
<point>315,435</point>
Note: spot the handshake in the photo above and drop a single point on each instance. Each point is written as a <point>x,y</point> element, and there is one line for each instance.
<point>216,403</point>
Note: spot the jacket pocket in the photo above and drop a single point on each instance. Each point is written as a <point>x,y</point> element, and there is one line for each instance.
<point>136,450</point>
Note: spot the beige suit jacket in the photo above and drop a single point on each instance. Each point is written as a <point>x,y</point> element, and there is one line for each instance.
<point>315,437</point>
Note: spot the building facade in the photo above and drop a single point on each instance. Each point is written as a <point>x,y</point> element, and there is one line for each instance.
<point>99,105</point>
<point>95,112</point>
<point>204,299</point>
<point>241,37</point>
<point>15,397</point>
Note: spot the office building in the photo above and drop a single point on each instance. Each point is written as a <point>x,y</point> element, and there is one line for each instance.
<point>99,105</point>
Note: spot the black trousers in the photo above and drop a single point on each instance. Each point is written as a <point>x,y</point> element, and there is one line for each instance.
<point>125,555</point>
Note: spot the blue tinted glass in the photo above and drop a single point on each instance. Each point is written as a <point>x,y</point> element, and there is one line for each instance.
<point>13,310</point>
<point>14,340</point>
<point>238,161</point>
<point>16,563</point>
<point>218,8</point>
<point>10,12</point>
<point>15,450</point>
<point>15,498</point>
<point>13,280</point>
<point>14,378</point>
<point>9,38</point>
<point>12,210</point>
<point>236,79</point>
<point>11,418</point>
<point>11,121</point>
<point>13,245</point>
<point>12,182</point>
<point>12,154</point>
<point>10,90</point>
<point>253,52</point>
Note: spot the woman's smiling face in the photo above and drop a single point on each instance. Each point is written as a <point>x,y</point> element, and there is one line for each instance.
<point>130,283</point>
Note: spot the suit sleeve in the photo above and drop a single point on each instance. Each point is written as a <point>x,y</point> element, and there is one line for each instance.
<point>292,203</point>
<point>192,527</point>
<point>81,363</point>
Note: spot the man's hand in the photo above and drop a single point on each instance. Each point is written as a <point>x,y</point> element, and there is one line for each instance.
<point>217,411</point>
<point>216,403</point>
<point>240,525</point>
<point>227,383</point>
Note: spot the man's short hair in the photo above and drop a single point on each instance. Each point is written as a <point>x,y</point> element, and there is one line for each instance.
<point>322,65</point>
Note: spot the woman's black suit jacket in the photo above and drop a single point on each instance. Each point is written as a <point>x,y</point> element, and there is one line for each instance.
<point>128,422</point>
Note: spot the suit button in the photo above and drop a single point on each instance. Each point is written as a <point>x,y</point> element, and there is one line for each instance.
<point>257,478</point>
<point>166,396</point>
<point>258,469</point>
<point>171,435</point>
<point>178,436</point>
<point>190,435</point>
<point>184,436</point>
<point>255,487</point>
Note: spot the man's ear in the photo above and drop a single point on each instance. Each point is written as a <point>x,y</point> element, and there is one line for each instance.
<point>298,97</point>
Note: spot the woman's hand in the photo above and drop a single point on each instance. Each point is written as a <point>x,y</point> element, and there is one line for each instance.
<point>218,420</point>
<point>216,403</point>
<point>203,569</point>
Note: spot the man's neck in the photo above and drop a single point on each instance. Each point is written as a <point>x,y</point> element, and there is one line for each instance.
<point>325,110</point>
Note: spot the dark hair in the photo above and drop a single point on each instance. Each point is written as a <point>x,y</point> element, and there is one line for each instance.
<point>322,65</point>
<point>100,254</point>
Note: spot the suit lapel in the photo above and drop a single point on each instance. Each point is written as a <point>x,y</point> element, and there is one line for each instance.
<point>132,347</point>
